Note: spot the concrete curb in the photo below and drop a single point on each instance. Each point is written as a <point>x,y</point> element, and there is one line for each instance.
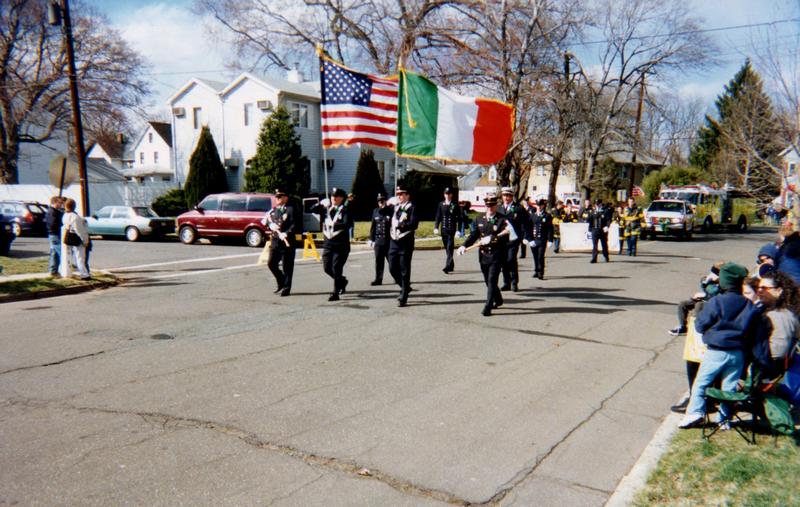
<point>66,291</point>
<point>635,480</point>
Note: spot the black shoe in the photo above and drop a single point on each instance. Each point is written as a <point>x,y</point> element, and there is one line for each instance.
<point>277,290</point>
<point>446,271</point>
<point>333,297</point>
<point>593,261</point>
<point>608,260</point>
<point>375,282</point>
<point>498,303</point>
<point>680,408</point>
<point>401,303</point>
<point>506,286</point>
<point>514,287</point>
<point>486,311</point>
<point>541,276</point>
<point>343,287</point>
<point>285,292</point>
<point>677,331</point>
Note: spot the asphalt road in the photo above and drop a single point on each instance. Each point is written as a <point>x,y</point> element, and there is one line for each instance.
<point>192,384</point>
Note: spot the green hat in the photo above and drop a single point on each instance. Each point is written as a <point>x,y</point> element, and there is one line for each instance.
<point>731,275</point>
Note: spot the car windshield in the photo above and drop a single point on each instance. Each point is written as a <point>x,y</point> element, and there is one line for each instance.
<point>144,212</point>
<point>676,207</point>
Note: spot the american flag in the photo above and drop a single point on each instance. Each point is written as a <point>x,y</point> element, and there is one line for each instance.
<point>357,108</point>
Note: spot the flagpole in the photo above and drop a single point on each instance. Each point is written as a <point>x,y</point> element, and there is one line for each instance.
<point>320,54</point>
<point>325,166</point>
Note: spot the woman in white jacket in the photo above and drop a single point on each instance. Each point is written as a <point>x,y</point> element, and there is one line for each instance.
<point>77,224</point>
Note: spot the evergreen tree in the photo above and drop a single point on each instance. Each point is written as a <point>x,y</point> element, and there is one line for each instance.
<point>206,174</point>
<point>278,161</point>
<point>739,143</point>
<point>367,183</point>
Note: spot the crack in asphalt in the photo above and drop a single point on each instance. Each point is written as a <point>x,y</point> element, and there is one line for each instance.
<point>54,363</point>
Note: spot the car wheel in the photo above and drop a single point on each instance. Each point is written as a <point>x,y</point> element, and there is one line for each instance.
<point>16,229</point>
<point>741,225</point>
<point>687,233</point>
<point>132,234</point>
<point>254,237</point>
<point>187,235</point>
<point>708,224</point>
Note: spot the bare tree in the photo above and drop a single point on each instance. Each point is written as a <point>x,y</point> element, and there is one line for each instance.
<point>34,98</point>
<point>636,38</point>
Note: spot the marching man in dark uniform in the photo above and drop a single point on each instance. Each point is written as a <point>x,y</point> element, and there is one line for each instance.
<point>401,248</point>
<point>379,238</point>
<point>493,232</point>
<point>518,218</point>
<point>448,223</point>
<point>336,222</point>
<point>539,233</point>
<point>599,220</point>
<point>280,221</point>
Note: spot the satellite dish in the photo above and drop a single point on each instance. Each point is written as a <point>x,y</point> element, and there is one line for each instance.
<point>63,172</point>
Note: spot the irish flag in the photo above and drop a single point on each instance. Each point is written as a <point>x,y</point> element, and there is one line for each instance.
<point>433,122</point>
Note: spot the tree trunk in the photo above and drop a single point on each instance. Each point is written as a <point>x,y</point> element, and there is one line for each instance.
<point>555,169</point>
<point>9,170</point>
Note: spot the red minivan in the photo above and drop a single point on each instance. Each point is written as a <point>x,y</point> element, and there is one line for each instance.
<point>225,216</point>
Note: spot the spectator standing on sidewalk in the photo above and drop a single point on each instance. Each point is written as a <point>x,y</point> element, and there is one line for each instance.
<point>53,222</point>
<point>72,222</point>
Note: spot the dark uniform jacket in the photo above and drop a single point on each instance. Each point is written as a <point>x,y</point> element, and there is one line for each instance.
<point>495,251</point>
<point>598,219</point>
<point>336,221</point>
<point>283,217</point>
<point>448,217</point>
<point>403,220</point>
<point>379,229</point>
<point>541,226</point>
<point>517,215</point>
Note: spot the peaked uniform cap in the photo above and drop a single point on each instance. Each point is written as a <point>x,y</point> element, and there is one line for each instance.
<point>338,192</point>
<point>507,190</point>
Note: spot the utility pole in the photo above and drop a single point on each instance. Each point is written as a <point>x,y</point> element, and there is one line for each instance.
<point>56,14</point>
<point>636,136</point>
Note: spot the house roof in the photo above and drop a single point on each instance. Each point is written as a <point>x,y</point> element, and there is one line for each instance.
<point>164,130</point>
<point>214,86</point>
<point>618,152</point>
<point>431,167</point>
<point>99,171</point>
<point>112,147</point>
<point>277,84</point>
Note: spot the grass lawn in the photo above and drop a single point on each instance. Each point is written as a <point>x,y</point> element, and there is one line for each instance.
<point>12,266</point>
<point>45,284</point>
<point>725,471</point>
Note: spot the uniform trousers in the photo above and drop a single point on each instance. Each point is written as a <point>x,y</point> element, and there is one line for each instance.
<point>280,254</point>
<point>491,275</point>
<point>400,253</point>
<point>602,237</point>
<point>381,256</point>
<point>449,242</point>
<point>511,266</point>
<point>538,249</point>
<point>333,258</point>
<point>632,240</point>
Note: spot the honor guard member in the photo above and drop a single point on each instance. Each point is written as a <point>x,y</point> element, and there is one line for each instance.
<point>401,247</point>
<point>336,222</point>
<point>379,238</point>
<point>493,232</point>
<point>634,216</point>
<point>599,221</point>
<point>517,218</point>
<point>448,223</point>
<point>539,233</point>
<point>559,214</point>
<point>282,245</point>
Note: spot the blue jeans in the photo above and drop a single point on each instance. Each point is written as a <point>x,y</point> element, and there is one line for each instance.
<point>729,364</point>
<point>55,253</point>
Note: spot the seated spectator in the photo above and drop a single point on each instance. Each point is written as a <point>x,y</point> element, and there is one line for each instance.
<point>728,323</point>
<point>780,327</point>
<point>708,288</point>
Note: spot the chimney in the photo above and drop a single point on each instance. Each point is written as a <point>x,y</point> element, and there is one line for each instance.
<point>294,75</point>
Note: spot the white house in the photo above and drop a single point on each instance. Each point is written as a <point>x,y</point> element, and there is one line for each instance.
<point>113,151</point>
<point>151,154</point>
<point>234,113</point>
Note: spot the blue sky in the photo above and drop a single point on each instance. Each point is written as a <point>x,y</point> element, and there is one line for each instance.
<point>172,38</point>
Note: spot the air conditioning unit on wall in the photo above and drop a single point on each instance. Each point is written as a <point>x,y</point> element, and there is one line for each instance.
<point>179,112</point>
<point>264,105</point>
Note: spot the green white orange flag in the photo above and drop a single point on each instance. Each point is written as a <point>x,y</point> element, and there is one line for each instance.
<point>436,123</point>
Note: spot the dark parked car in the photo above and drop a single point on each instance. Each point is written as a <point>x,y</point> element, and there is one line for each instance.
<point>227,215</point>
<point>27,218</point>
<point>6,235</point>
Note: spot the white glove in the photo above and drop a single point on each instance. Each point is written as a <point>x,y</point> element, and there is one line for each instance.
<point>326,202</point>
<point>282,235</point>
<point>393,201</point>
<point>274,227</point>
<point>461,250</point>
<point>526,242</point>
<point>264,221</point>
<point>486,240</point>
<point>605,229</point>
<point>328,221</point>
<point>370,243</point>
<point>435,231</point>
<point>459,235</point>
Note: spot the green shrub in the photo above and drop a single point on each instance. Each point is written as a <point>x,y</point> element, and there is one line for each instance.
<point>171,204</point>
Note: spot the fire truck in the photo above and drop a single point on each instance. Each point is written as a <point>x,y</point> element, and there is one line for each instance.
<point>714,206</point>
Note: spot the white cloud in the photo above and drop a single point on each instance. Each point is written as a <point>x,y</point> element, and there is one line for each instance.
<point>175,44</point>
